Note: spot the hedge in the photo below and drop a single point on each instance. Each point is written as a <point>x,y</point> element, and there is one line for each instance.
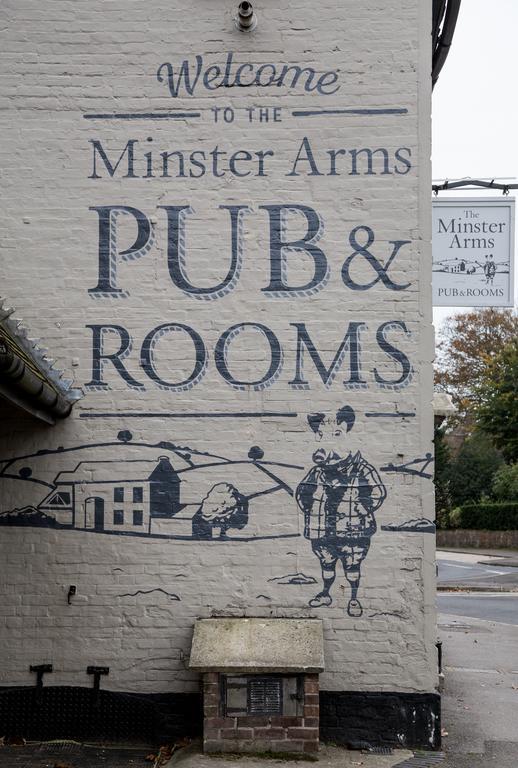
<point>488,516</point>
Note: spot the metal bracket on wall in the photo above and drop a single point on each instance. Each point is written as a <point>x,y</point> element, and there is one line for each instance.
<point>40,669</point>
<point>97,672</point>
<point>478,183</point>
<point>438,645</point>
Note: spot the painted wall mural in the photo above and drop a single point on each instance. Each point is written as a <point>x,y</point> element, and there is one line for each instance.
<point>225,246</point>
<point>189,494</point>
<point>174,492</point>
<point>339,497</point>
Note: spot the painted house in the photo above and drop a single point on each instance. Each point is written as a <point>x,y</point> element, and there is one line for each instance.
<point>115,496</point>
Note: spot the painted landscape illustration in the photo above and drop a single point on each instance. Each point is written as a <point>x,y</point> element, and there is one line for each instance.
<point>132,488</point>
<point>127,487</point>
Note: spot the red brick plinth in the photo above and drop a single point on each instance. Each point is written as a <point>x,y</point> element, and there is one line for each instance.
<point>252,733</point>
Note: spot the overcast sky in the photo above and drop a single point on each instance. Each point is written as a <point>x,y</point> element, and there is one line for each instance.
<point>475,103</point>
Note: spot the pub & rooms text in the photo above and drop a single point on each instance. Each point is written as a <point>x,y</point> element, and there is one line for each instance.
<point>175,357</point>
<point>294,347</point>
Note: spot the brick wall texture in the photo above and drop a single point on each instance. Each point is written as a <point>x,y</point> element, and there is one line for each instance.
<point>260,733</point>
<point>210,346</point>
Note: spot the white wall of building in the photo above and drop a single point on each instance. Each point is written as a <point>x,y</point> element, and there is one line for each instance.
<point>65,65</point>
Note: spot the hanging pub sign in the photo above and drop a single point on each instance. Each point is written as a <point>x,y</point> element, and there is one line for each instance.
<point>473,252</point>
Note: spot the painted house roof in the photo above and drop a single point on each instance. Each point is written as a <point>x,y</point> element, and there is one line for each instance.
<point>137,471</point>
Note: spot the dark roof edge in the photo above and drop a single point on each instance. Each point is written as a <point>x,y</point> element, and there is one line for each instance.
<point>444,20</point>
<point>28,378</point>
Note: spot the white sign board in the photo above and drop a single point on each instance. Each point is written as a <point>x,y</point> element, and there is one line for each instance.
<point>472,252</point>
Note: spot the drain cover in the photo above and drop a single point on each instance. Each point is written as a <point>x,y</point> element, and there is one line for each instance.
<point>45,755</point>
<point>422,760</point>
<point>59,746</point>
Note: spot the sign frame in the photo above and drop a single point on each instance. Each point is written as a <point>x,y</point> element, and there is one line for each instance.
<point>463,294</point>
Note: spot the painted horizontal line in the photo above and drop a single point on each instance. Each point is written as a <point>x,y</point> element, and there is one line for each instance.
<point>314,112</point>
<point>400,414</point>
<point>474,669</point>
<point>142,116</point>
<point>215,415</point>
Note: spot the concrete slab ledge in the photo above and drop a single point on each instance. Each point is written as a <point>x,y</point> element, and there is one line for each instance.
<point>254,645</point>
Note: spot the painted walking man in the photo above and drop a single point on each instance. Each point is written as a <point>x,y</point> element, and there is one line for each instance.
<point>339,497</point>
<point>489,269</point>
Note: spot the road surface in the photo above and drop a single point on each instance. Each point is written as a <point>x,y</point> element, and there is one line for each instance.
<point>461,569</point>
<point>498,607</point>
<point>479,632</point>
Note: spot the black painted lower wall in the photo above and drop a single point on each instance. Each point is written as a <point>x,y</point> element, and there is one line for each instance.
<point>353,718</point>
<point>359,720</point>
<point>57,712</point>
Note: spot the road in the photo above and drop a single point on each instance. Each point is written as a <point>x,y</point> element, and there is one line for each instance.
<point>479,632</point>
<point>456,568</point>
<point>501,608</point>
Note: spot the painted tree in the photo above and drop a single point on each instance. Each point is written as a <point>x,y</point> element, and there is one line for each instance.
<point>497,395</point>
<point>467,345</point>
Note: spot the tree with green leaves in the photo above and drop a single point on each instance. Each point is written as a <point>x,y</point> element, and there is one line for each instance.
<point>505,483</point>
<point>441,478</point>
<point>496,411</point>
<point>470,474</point>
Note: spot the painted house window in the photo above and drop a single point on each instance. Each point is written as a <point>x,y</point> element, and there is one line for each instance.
<point>60,499</point>
<point>118,494</point>
<point>138,494</point>
<point>138,517</point>
<point>118,516</point>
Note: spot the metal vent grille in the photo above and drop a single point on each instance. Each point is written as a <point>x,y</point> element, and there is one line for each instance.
<point>422,760</point>
<point>265,696</point>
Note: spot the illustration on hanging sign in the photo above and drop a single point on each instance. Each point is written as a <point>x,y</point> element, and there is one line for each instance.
<point>339,497</point>
<point>473,251</point>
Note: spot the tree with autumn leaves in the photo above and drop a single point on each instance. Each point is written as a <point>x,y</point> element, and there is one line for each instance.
<point>477,365</point>
<point>468,344</point>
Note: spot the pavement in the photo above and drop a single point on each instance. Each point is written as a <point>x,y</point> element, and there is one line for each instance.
<point>329,756</point>
<point>479,632</point>
<point>76,755</point>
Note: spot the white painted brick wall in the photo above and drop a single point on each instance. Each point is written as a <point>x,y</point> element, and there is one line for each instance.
<point>64,58</point>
